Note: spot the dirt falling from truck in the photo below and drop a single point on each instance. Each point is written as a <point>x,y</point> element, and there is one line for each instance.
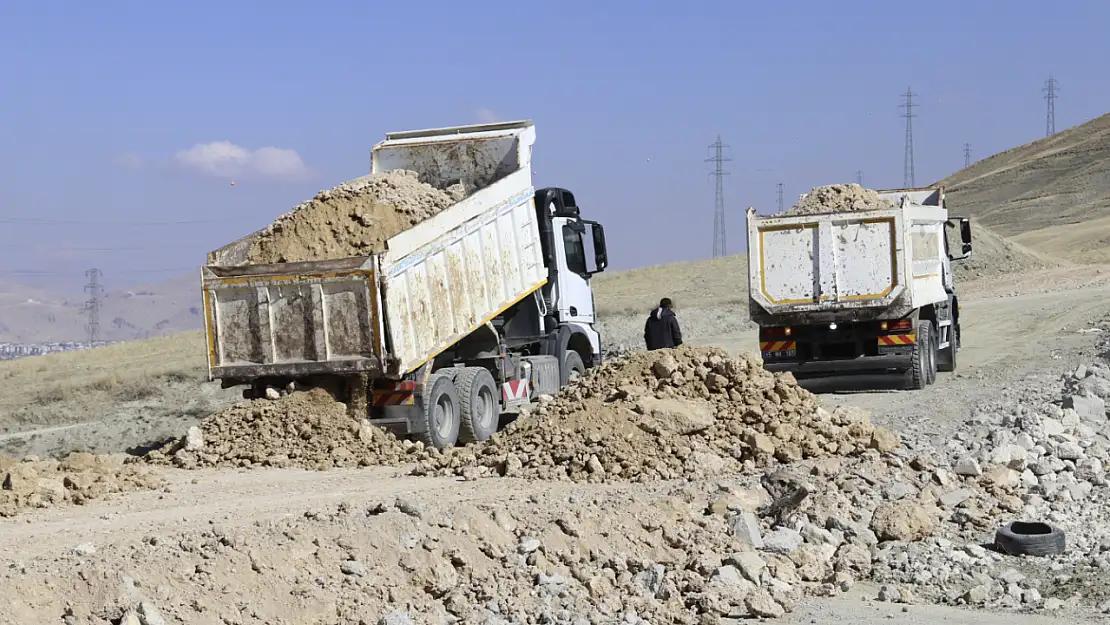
<point>835,198</point>
<point>355,218</point>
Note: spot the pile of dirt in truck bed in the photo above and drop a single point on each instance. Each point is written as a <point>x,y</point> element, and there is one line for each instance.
<point>669,414</point>
<point>836,198</point>
<point>304,429</point>
<point>353,219</point>
<point>75,479</point>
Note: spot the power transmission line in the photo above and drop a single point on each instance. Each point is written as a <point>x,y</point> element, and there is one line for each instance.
<point>1050,88</point>
<point>92,305</point>
<point>967,155</point>
<point>780,196</point>
<point>35,221</point>
<point>908,180</point>
<point>48,273</point>
<point>859,177</point>
<point>719,173</point>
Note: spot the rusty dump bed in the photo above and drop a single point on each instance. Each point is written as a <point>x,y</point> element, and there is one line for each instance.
<point>389,313</point>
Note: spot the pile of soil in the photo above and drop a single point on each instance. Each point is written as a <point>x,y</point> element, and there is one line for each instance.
<point>836,198</point>
<point>355,218</point>
<point>77,478</point>
<point>305,429</point>
<point>669,414</point>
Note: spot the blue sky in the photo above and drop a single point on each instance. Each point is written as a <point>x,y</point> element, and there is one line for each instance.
<point>98,98</point>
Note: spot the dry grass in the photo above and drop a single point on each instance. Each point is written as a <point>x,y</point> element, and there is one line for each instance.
<point>696,284</point>
<point>79,386</point>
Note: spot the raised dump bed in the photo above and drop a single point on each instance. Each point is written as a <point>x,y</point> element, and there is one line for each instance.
<point>416,291</point>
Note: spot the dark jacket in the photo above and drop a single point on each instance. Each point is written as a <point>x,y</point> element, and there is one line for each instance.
<point>661,329</point>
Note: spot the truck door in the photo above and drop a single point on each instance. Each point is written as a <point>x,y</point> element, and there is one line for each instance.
<point>576,299</point>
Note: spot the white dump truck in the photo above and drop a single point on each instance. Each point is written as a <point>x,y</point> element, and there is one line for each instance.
<point>483,306</point>
<point>859,293</point>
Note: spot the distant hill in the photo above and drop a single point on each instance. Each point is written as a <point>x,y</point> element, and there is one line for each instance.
<point>1051,195</point>
<point>35,315</point>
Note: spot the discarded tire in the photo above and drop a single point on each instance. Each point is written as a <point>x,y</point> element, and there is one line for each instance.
<point>1030,538</point>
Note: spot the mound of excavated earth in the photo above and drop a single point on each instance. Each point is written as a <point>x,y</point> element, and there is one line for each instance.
<point>77,478</point>
<point>305,429</point>
<point>669,414</point>
<point>836,198</point>
<point>353,219</point>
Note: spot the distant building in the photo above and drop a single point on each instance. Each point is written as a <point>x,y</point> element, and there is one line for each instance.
<point>14,351</point>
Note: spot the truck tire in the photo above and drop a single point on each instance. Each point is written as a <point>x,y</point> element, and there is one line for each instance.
<point>573,365</point>
<point>1030,538</point>
<point>946,360</point>
<point>441,412</point>
<point>478,399</point>
<point>933,350</point>
<point>917,378</point>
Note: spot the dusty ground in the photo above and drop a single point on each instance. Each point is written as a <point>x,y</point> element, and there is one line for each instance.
<point>1019,331</point>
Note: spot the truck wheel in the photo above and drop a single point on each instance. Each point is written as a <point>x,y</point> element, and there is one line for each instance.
<point>481,410</point>
<point>573,365</point>
<point>441,412</point>
<point>917,378</point>
<point>947,359</point>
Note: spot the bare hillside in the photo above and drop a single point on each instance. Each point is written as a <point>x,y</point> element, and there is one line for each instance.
<point>1051,195</point>
<point>35,315</point>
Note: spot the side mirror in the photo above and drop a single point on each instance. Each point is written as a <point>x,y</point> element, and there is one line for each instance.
<point>601,255</point>
<point>965,238</point>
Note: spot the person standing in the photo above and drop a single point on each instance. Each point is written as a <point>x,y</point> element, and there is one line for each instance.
<point>661,329</point>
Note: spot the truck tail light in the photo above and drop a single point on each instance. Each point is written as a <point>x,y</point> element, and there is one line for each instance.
<point>899,324</point>
<point>772,332</point>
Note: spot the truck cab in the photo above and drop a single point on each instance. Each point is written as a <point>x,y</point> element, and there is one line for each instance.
<point>573,251</point>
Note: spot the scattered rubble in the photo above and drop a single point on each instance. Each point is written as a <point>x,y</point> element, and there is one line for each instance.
<point>77,479</point>
<point>819,500</point>
<point>352,219</point>
<point>668,414</point>
<point>1040,456</point>
<point>836,198</point>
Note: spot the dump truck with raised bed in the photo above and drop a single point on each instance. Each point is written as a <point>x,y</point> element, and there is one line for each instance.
<point>484,305</point>
<point>859,292</point>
